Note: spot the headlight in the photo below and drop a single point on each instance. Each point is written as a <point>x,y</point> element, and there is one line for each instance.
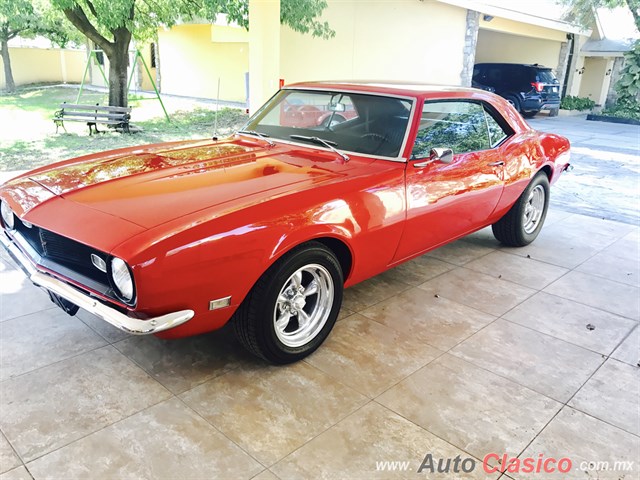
<point>7,216</point>
<point>121,276</point>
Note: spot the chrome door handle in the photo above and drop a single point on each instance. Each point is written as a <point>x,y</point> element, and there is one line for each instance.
<point>496,164</point>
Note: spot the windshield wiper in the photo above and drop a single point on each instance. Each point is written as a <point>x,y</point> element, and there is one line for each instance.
<point>319,141</point>
<point>263,136</point>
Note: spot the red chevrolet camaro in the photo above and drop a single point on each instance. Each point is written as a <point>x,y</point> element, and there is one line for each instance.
<point>267,227</point>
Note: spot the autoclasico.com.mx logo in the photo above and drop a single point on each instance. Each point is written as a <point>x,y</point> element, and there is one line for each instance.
<point>496,463</point>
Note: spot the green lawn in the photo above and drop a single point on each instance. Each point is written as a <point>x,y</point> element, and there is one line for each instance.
<point>28,138</point>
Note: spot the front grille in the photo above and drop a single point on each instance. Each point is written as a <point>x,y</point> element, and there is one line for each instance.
<point>67,257</point>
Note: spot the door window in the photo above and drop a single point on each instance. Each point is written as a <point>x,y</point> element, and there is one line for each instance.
<point>462,126</point>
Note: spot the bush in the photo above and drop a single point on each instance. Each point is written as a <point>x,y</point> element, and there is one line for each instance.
<point>624,108</point>
<point>576,103</point>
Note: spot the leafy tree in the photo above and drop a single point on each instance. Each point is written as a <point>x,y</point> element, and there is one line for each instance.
<point>28,19</point>
<point>16,17</point>
<point>581,11</point>
<point>111,24</point>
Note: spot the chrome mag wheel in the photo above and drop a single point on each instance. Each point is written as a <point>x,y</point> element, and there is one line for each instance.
<point>303,305</point>
<point>533,209</point>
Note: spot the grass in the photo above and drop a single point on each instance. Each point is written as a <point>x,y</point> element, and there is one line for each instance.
<point>28,138</point>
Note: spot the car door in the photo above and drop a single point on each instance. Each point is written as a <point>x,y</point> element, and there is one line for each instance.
<point>446,201</point>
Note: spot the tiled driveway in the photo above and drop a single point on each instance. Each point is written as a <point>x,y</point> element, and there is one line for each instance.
<point>470,350</point>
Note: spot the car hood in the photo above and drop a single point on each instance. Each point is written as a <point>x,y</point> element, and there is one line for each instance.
<point>156,184</point>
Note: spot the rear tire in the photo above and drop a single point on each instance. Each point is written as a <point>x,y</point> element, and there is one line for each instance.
<point>293,306</point>
<point>522,223</point>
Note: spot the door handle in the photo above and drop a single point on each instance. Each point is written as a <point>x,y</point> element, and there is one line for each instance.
<point>496,164</point>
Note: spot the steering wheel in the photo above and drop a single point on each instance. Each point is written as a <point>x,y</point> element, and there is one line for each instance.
<point>374,136</point>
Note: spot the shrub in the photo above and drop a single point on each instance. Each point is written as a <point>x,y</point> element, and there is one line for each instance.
<point>577,103</point>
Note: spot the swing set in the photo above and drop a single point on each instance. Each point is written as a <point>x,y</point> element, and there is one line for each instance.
<point>93,54</point>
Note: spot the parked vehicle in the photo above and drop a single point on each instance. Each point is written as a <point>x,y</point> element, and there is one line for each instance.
<point>529,88</point>
<point>267,227</point>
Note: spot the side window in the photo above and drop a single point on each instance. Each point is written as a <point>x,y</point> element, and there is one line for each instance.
<point>496,133</point>
<point>458,125</point>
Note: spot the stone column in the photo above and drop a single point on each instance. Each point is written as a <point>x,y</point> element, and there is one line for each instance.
<point>264,51</point>
<point>470,43</point>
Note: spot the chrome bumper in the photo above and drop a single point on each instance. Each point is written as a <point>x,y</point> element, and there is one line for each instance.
<point>114,317</point>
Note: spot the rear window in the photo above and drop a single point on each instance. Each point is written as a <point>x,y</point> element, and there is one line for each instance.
<point>546,76</point>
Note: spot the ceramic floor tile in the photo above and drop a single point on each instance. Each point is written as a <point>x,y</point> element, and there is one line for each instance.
<point>460,252</point>
<point>484,238</point>
<point>537,361</point>
<point>627,247</point>
<point>50,407</point>
<point>18,296</point>
<point>107,331</point>
<point>19,473</point>
<point>344,313</point>
<point>612,395</point>
<point>589,226</point>
<point>266,475</point>
<point>370,357</point>
<point>184,363</point>
<point>562,247</point>
<point>599,292</point>
<point>629,349</point>
<point>419,270</point>
<point>514,268</point>
<point>478,290</point>
<point>449,398</point>
<point>373,291</point>
<point>357,447</point>
<point>582,438</point>
<point>167,441</point>
<point>568,320</point>
<point>434,320</point>
<point>59,336</point>
<point>8,459</point>
<point>271,411</point>
<point>613,267</point>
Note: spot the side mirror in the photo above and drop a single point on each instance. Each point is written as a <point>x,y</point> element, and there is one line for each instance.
<point>442,155</point>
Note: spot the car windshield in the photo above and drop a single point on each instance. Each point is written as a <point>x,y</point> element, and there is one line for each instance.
<point>350,122</point>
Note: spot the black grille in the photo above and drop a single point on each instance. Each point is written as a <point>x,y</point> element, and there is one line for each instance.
<point>67,257</point>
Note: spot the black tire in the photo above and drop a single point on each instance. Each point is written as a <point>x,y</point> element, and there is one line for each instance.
<point>519,227</point>
<point>515,101</point>
<point>255,321</point>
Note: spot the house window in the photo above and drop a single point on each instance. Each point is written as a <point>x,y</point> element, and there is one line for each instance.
<point>152,54</point>
<point>99,54</point>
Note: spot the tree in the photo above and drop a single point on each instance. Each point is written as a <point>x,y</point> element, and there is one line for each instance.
<point>16,17</point>
<point>28,19</point>
<point>581,11</point>
<point>112,24</point>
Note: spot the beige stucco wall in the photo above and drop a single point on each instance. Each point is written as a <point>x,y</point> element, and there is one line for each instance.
<point>402,40</point>
<point>191,63</point>
<point>504,25</point>
<point>44,65</point>
<point>504,47</point>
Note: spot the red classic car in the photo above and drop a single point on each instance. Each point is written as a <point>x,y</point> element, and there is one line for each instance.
<point>266,228</point>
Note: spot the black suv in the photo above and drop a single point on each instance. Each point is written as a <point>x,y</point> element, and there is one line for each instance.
<point>529,88</point>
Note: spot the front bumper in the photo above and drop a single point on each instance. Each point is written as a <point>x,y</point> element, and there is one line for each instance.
<point>108,314</point>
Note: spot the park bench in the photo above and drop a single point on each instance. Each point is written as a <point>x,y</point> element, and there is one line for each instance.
<point>118,117</point>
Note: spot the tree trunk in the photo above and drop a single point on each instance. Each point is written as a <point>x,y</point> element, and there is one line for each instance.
<point>118,55</point>
<point>8,74</point>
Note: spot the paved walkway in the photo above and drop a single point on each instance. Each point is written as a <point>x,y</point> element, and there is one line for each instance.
<point>606,180</point>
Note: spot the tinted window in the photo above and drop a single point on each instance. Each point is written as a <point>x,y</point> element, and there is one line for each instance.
<point>546,76</point>
<point>462,126</point>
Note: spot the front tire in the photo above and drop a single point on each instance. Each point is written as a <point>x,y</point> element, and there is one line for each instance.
<point>293,306</point>
<point>522,223</point>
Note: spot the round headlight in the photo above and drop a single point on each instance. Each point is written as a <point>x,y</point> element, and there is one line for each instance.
<point>122,279</point>
<point>7,216</point>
